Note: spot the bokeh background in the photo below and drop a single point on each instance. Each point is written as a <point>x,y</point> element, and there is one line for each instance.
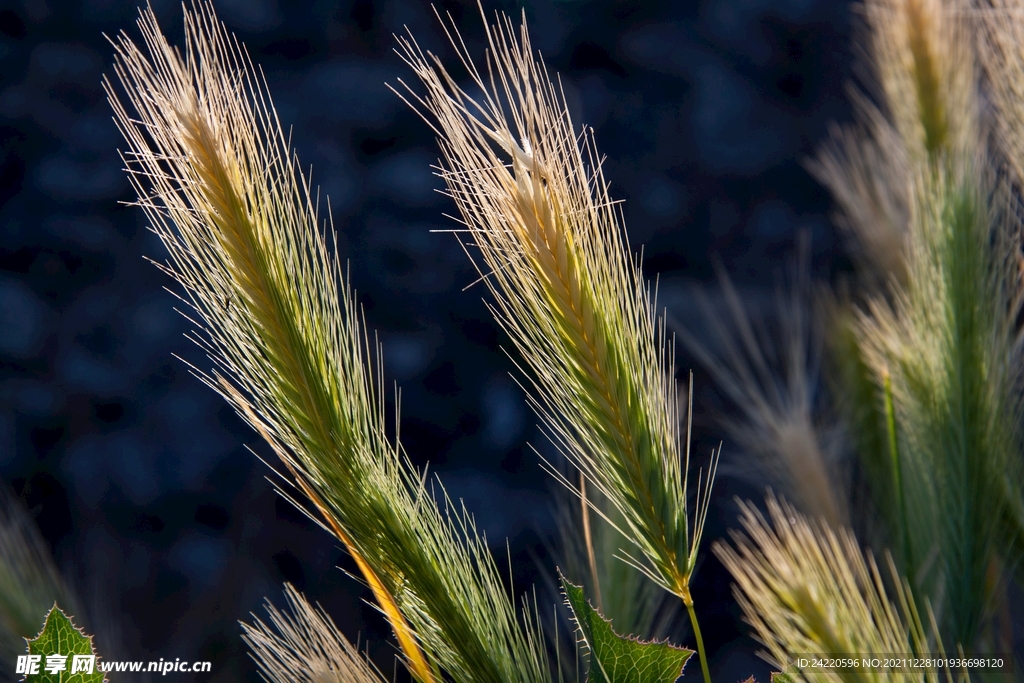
<point>139,477</point>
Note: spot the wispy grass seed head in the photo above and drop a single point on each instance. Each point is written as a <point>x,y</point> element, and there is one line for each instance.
<point>866,168</point>
<point>302,645</point>
<point>768,366</point>
<point>548,241</point>
<point>808,590</point>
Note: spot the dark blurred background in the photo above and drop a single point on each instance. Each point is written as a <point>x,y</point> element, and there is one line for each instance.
<point>139,477</point>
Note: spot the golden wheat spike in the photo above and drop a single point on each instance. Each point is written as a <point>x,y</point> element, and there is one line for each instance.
<point>552,251</point>
<point>236,214</point>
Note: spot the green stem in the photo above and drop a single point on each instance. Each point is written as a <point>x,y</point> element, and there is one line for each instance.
<point>688,601</point>
<point>894,454</point>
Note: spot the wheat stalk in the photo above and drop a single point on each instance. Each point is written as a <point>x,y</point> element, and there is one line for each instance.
<point>217,179</point>
<point>550,247</point>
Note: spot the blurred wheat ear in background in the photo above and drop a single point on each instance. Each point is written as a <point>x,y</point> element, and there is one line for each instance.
<point>29,582</point>
<point>923,342</point>
<point>769,369</point>
<point>938,340</point>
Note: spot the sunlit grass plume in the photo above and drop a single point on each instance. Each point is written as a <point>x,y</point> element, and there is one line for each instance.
<point>220,186</point>
<point>302,645</point>
<point>809,591</point>
<point>548,241</point>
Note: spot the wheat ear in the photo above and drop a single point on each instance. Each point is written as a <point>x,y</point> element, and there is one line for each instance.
<point>809,591</point>
<point>220,185</point>
<point>550,246</point>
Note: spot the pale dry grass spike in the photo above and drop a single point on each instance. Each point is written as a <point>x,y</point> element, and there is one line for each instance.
<point>302,645</point>
<point>767,364</point>
<point>1001,46</point>
<point>930,360</point>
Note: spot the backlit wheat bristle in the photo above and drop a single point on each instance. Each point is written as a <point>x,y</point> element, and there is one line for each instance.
<point>302,645</point>
<point>808,590</point>
<point>548,241</point>
<point>551,249</point>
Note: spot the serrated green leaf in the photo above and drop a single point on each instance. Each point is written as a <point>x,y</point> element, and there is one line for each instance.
<point>781,677</point>
<point>621,659</point>
<point>61,637</point>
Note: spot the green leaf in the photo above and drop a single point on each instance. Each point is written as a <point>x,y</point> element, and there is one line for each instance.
<point>619,659</point>
<point>60,638</point>
<point>781,678</point>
